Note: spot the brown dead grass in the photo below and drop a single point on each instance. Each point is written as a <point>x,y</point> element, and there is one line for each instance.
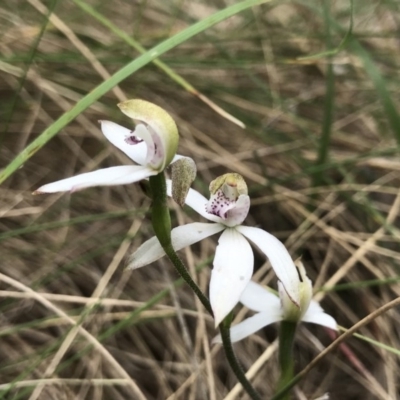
<point>62,288</point>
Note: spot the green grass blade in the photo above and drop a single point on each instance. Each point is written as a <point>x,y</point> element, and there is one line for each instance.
<point>325,139</point>
<point>380,86</point>
<point>375,75</point>
<point>133,43</point>
<point>342,44</point>
<point>373,342</point>
<point>160,64</point>
<point>69,222</point>
<point>119,76</point>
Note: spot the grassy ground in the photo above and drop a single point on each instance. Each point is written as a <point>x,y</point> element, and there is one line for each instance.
<point>319,153</point>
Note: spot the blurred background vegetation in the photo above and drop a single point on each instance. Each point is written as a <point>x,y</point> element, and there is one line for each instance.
<point>319,153</point>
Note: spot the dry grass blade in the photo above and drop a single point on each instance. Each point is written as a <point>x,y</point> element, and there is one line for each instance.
<point>74,324</point>
<point>92,340</point>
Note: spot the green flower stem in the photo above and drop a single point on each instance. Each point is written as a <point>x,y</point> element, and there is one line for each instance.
<point>287,331</point>
<point>161,221</point>
<point>160,217</point>
<point>183,272</point>
<point>162,227</point>
<point>224,329</point>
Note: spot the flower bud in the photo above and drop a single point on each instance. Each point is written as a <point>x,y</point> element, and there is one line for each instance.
<point>183,173</point>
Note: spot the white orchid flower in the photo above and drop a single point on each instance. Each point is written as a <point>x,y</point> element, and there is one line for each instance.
<point>272,308</point>
<point>233,263</point>
<point>152,145</point>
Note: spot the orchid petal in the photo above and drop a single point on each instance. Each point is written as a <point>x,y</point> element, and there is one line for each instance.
<point>252,325</point>
<point>279,258</point>
<point>161,127</point>
<point>233,267</point>
<point>238,214</point>
<point>126,140</point>
<point>258,298</point>
<point>196,201</point>
<point>181,236</point>
<point>120,175</point>
<point>315,307</point>
<point>316,315</point>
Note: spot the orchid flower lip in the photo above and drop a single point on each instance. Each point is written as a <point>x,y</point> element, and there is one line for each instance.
<point>219,205</point>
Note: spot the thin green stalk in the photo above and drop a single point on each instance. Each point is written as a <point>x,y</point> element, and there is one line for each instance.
<point>162,227</point>
<point>287,331</point>
<point>183,272</point>
<point>224,329</point>
<point>118,77</point>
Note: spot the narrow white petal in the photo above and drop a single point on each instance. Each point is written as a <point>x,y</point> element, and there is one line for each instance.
<point>258,298</point>
<point>181,237</point>
<point>196,201</point>
<point>279,258</point>
<point>252,325</point>
<point>148,252</point>
<point>121,175</point>
<point>315,307</point>
<point>124,139</point>
<point>233,267</point>
<point>316,315</point>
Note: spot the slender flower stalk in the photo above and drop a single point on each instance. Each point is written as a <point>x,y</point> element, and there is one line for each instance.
<point>287,331</point>
<point>233,263</point>
<point>161,222</point>
<point>224,328</point>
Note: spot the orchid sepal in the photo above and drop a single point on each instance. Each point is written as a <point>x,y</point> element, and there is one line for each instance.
<point>270,308</point>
